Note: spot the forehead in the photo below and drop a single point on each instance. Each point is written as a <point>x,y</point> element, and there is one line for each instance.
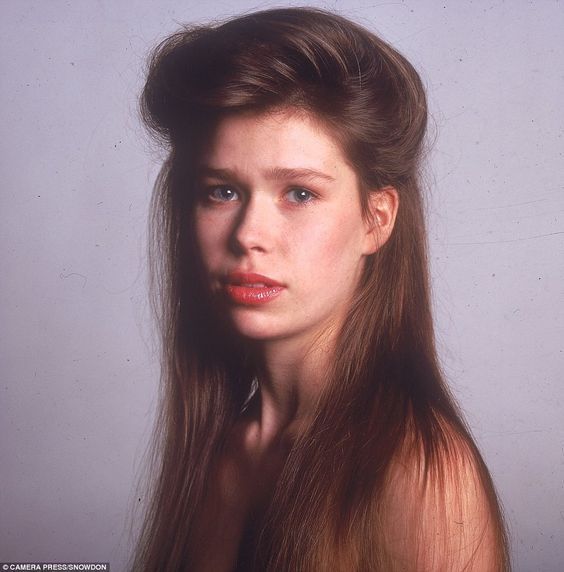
<point>281,138</point>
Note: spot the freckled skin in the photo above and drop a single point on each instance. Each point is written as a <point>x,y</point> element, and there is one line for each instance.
<point>267,212</point>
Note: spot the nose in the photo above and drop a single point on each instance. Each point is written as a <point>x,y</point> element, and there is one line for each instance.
<point>254,228</point>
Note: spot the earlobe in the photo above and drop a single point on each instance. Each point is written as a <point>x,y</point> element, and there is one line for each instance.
<point>383,206</point>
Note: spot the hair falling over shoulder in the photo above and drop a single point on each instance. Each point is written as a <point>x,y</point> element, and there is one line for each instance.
<point>401,460</point>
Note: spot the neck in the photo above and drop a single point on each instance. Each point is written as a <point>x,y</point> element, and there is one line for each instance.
<point>292,376</point>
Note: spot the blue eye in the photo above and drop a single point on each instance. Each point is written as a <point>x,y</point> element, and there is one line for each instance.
<point>300,196</point>
<point>222,194</point>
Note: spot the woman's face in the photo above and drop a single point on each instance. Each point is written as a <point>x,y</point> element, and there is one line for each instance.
<point>279,225</point>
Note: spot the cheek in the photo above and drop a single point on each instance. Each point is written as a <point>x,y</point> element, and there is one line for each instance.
<point>343,233</point>
<point>331,248</point>
<point>212,235</point>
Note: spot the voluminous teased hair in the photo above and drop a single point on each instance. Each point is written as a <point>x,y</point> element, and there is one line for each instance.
<point>386,422</point>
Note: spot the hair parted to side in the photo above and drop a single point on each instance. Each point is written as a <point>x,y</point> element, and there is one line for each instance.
<point>386,406</point>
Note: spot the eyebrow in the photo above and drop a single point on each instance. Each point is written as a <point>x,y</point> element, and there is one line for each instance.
<point>274,173</point>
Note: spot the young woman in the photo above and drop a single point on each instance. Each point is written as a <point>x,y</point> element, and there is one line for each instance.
<point>305,424</point>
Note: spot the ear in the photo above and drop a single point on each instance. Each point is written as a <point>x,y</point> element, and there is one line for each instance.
<point>382,210</point>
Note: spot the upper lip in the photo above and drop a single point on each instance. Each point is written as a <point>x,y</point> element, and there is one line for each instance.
<point>246,278</point>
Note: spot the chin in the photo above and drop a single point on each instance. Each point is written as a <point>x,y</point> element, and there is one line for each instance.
<point>254,326</point>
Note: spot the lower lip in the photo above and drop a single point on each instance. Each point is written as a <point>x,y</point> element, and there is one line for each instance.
<point>252,295</point>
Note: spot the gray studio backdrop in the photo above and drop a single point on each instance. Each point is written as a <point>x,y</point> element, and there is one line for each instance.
<point>78,366</point>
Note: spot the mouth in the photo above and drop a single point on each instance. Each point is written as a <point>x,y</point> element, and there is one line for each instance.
<point>250,289</point>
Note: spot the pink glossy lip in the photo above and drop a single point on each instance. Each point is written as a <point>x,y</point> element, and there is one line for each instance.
<point>250,289</point>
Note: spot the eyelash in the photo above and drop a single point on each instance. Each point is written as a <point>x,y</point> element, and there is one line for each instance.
<point>310,195</point>
<point>212,192</point>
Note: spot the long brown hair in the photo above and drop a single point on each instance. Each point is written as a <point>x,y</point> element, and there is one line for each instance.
<point>385,396</point>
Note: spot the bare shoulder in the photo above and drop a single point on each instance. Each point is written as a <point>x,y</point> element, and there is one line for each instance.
<point>439,511</point>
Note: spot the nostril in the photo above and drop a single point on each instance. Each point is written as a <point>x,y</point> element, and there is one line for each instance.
<point>245,240</point>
